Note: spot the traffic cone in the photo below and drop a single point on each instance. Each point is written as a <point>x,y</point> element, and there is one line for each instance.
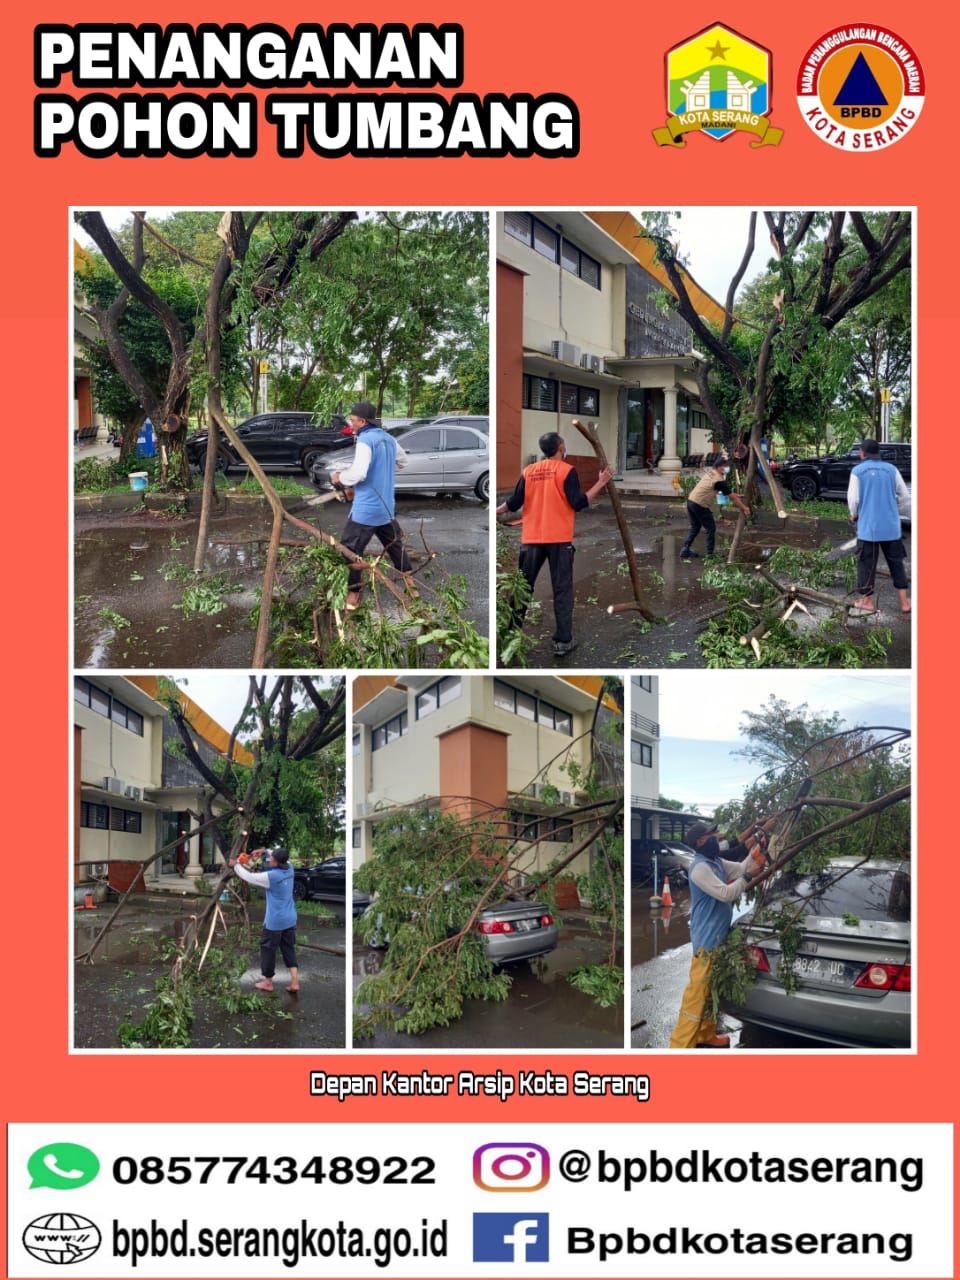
<point>88,902</point>
<point>666,898</point>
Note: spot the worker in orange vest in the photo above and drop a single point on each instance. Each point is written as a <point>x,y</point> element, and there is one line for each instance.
<point>549,493</point>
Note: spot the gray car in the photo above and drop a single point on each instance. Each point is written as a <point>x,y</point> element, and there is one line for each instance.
<point>853,963</point>
<point>512,931</point>
<point>442,459</point>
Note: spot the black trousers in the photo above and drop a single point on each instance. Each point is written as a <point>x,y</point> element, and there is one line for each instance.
<point>700,518</point>
<point>868,557</point>
<point>357,538</point>
<point>270,939</point>
<point>559,555</point>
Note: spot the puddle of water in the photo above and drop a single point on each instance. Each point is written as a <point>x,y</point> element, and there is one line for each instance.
<point>672,590</point>
<point>120,984</point>
<point>126,614</point>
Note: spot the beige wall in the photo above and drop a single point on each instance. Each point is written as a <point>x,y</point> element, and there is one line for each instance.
<point>109,750</point>
<point>408,769</point>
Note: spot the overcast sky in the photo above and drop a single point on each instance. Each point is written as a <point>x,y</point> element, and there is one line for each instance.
<point>711,241</point>
<point>701,711</point>
<point>222,694</point>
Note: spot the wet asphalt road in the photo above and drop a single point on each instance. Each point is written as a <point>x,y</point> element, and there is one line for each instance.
<point>543,1011</point>
<point>120,984</point>
<point>672,589</point>
<point>126,614</point>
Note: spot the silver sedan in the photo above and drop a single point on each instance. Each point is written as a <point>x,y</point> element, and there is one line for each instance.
<point>441,459</point>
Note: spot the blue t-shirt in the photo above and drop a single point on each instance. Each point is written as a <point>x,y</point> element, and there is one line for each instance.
<point>710,919</point>
<point>373,497</point>
<point>281,913</point>
<point>878,516</point>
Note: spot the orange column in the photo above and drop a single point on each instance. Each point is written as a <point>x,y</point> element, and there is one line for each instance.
<point>509,375</point>
<point>473,770</point>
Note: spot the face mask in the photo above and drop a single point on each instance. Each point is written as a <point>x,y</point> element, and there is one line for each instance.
<point>711,847</point>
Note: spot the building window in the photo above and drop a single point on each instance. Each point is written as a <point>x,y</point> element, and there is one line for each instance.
<point>96,816</point>
<point>525,826</point>
<point>642,753</point>
<point>127,820</point>
<point>389,732</point>
<point>519,703</point>
<point>357,836</point>
<point>540,393</point>
<point>546,241</point>
<point>576,399</point>
<point>560,830</point>
<point>438,695</point>
<point>645,682</point>
<point>357,741</point>
<point>105,704</point>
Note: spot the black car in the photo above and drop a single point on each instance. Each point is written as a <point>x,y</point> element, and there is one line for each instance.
<point>829,477</point>
<point>282,441</point>
<point>327,881</point>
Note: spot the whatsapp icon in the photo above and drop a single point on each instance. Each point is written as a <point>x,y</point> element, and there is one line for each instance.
<point>64,1166</point>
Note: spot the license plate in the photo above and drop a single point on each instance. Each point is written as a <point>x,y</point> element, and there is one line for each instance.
<point>823,969</point>
<point>525,926</point>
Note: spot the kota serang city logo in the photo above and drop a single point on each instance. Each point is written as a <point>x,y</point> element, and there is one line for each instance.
<point>719,83</point>
<point>860,88</point>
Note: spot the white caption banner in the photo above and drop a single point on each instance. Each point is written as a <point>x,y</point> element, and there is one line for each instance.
<point>478,1200</point>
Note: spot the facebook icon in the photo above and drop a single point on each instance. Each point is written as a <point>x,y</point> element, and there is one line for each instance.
<point>511,1237</point>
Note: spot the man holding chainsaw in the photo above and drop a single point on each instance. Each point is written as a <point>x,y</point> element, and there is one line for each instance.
<point>280,922</point>
<point>715,885</point>
<point>376,460</point>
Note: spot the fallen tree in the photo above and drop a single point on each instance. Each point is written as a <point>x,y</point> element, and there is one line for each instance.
<point>437,867</point>
<point>290,725</point>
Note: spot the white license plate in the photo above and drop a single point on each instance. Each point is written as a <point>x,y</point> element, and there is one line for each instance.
<point>525,926</point>
<point>823,969</point>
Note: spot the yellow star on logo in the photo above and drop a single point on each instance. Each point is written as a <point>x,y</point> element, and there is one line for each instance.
<point>718,51</point>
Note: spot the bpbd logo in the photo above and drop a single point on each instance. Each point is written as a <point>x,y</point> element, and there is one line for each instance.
<point>860,88</point>
<point>511,1237</point>
<point>719,83</point>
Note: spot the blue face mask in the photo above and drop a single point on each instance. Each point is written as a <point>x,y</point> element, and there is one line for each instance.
<point>711,847</point>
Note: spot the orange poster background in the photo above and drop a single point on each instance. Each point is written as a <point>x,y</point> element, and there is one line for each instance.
<point>611,62</point>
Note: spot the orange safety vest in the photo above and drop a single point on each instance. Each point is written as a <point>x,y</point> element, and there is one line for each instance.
<point>547,515</point>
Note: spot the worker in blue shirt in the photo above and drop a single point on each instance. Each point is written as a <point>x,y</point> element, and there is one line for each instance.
<point>877,497</point>
<point>280,922</point>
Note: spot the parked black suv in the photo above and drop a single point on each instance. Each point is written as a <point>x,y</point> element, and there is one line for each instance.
<point>328,881</point>
<point>828,477</point>
<point>287,440</point>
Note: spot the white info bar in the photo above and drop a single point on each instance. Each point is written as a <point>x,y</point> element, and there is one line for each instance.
<point>426,1200</point>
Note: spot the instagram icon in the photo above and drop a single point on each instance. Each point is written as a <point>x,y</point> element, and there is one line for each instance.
<point>511,1166</point>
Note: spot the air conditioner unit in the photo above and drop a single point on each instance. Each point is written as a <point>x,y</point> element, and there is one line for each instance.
<point>565,351</point>
<point>133,793</point>
<point>593,363</point>
<point>115,785</point>
<point>537,790</point>
<point>98,870</point>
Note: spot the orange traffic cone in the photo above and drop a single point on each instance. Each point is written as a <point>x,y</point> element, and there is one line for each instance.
<point>88,902</point>
<point>666,898</point>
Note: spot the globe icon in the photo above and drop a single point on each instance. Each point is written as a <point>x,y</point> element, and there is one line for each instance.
<point>61,1238</point>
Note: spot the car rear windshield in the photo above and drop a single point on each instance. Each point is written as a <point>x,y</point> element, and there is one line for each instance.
<point>870,893</point>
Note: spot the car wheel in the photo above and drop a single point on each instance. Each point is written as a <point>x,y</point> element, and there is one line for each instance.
<point>310,459</point>
<point>482,487</point>
<point>222,462</point>
<point>299,890</point>
<point>804,488</point>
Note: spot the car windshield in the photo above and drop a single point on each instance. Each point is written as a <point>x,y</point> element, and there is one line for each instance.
<point>870,893</point>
